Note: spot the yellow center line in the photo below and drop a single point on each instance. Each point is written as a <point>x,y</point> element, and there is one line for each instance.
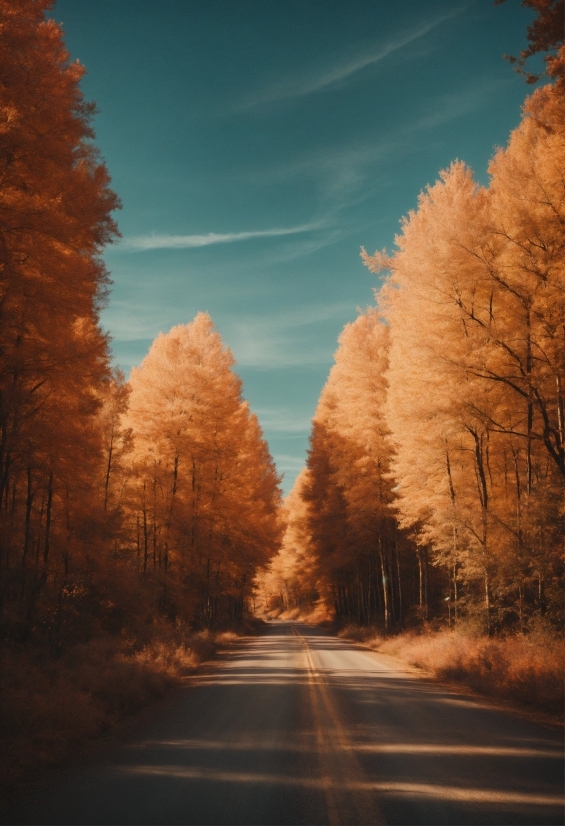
<point>347,792</point>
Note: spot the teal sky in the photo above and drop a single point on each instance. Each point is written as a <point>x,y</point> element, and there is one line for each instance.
<point>258,144</point>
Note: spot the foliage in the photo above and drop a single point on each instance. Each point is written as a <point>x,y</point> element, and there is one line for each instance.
<point>545,34</point>
<point>476,307</point>
<point>523,669</point>
<point>55,219</point>
<point>118,501</point>
<point>439,437</point>
<point>202,496</point>
<point>49,707</point>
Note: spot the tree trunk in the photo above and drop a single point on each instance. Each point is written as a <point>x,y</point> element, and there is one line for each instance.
<point>385,593</point>
<point>29,503</point>
<point>48,518</point>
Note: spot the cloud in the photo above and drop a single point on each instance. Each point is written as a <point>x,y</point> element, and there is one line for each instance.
<point>285,462</point>
<point>279,353</point>
<point>455,105</point>
<point>138,243</point>
<point>296,337</point>
<point>131,320</point>
<point>300,249</point>
<point>293,338</point>
<point>290,467</point>
<point>302,86</point>
<point>350,174</point>
<point>283,420</point>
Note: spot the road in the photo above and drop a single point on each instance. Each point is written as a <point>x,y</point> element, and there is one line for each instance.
<point>296,726</point>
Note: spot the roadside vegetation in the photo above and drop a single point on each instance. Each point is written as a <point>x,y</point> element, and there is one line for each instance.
<point>525,670</point>
<point>430,517</point>
<point>50,707</point>
<point>522,669</point>
<point>141,520</point>
<point>133,514</point>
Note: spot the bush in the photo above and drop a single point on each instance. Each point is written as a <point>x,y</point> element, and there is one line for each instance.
<point>526,669</point>
<point>50,704</point>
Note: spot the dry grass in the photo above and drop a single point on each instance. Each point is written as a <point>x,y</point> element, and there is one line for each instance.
<point>524,669</point>
<point>48,706</point>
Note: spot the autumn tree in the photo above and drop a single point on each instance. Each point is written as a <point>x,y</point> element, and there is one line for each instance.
<point>545,35</point>
<point>117,440</point>
<point>291,580</point>
<point>476,307</point>
<point>361,556</point>
<point>447,421</point>
<point>204,492</point>
<point>55,206</point>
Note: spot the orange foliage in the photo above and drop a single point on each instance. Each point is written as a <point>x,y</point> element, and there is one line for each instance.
<point>203,492</point>
<point>55,219</point>
<point>342,544</point>
<point>290,579</point>
<point>476,307</point>
<point>447,422</point>
<point>522,669</point>
<point>49,707</point>
<point>545,34</point>
<point>181,488</point>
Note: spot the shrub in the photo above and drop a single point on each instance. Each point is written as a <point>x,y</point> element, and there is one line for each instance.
<point>527,669</point>
<point>50,704</point>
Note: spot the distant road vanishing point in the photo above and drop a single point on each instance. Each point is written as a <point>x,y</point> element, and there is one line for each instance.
<point>296,726</point>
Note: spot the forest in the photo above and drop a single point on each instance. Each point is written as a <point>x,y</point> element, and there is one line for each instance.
<point>434,481</point>
<point>134,515</point>
<point>437,456</point>
<point>139,518</point>
<point>162,485</point>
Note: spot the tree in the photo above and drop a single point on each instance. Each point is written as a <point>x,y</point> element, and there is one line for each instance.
<point>291,580</point>
<point>348,490</point>
<point>545,34</point>
<point>476,307</point>
<point>117,440</point>
<point>55,218</point>
<point>204,492</point>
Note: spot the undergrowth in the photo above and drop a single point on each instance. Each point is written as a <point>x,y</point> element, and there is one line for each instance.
<point>525,669</point>
<point>49,705</point>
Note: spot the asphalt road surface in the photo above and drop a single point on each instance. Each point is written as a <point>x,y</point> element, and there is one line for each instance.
<point>297,726</point>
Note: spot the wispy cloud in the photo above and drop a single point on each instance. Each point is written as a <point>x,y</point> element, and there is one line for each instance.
<point>302,248</point>
<point>455,105</point>
<point>139,243</point>
<point>134,320</point>
<point>306,85</point>
<point>283,420</point>
<point>289,463</point>
<point>293,338</point>
<point>349,174</point>
<point>290,467</point>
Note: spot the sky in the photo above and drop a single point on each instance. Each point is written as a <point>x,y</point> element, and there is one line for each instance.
<point>257,145</point>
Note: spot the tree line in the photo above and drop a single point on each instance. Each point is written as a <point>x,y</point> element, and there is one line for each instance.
<point>434,481</point>
<point>118,499</point>
<point>435,478</point>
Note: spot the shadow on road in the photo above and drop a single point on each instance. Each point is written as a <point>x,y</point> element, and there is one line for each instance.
<point>244,743</point>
